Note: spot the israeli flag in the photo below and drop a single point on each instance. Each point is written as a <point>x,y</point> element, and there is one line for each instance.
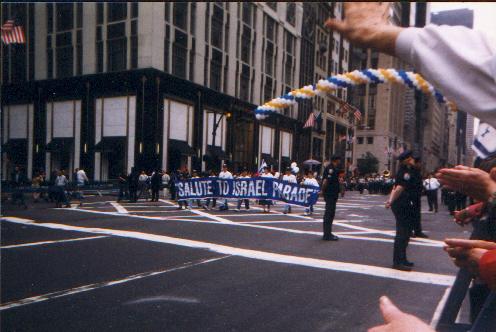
<point>485,141</point>
<point>262,166</point>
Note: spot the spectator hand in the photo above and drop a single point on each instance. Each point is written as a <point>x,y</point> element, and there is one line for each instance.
<point>473,182</point>
<point>398,321</point>
<point>467,253</point>
<point>366,25</point>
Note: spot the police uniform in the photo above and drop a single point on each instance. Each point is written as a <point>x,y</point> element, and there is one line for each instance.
<point>403,212</point>
<point>331,194</point>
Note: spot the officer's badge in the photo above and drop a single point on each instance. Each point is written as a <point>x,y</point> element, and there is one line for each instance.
<point>406,177</point>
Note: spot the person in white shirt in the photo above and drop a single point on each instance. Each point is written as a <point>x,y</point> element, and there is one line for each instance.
<point>431,186</point>
<point>291,179</point>
<point>61,183</point>
<point>225,175</point>
<point>143,185</point>
<point>266,203</point>
<point>81,176</point>
<point>244,175</point>
<point>165,183</point>
<point>310,181</point>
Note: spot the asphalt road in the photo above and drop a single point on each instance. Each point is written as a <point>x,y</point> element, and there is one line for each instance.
<point>150,267</point>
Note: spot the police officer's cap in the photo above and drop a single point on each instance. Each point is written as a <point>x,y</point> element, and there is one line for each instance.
<point>335,157</point>
<point>405,155</point>
<point>416,156</point>
<point>288,169</point>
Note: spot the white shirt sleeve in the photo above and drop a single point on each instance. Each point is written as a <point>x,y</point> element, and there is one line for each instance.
<point>459,62</point>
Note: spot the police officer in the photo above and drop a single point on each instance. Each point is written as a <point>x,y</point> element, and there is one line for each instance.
<point>400,202</point>
<point>416,195</point>
<point>330,190</point>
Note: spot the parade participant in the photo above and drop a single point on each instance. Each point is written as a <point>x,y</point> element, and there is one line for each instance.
<point>401,203</point>
<point>194,175</point>
<point>81,180</point>
<point>226,175</point>
<point>431,186</point>
<point>155,183</point>
<point>143,182</point>
<point>266,203</point>
<point>330,190</point>
<point>244,175</point>
<point>291,179</point>
<point>416,197</point>
<point>208,200</point>
<point>165,183</point>
<point>310,181</point>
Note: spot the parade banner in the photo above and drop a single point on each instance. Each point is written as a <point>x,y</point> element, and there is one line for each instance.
<point>255,188</point>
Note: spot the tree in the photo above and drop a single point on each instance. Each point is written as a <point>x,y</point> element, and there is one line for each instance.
<point>368,164</point>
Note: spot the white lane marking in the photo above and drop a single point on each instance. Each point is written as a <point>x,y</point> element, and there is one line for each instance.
<point>281,222</point>
<point>162,298</point>
<point>419,277</point>
<point>32,244</point>
<point>204,214</point>
<point>90,287</point>
<point>440,306</point>
<point>118,207</point>
<point>432,243</point>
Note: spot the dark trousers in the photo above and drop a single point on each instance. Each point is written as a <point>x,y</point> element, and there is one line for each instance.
<point>123,193</point>
<point>133,194</point>
<point>404,216</point>
<point>173,192</point>
<point>330,212</point>
<point>416,222</point>
<point>432,199</point>
<point>155,193</point>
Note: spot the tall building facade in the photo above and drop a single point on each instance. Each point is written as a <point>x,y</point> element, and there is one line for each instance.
<point>111,86</point>
<point>461,124</point>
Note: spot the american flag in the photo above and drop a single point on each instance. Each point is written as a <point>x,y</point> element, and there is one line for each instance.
<point>349,108</point>
<point>310,122</point>
<point>12,34</point>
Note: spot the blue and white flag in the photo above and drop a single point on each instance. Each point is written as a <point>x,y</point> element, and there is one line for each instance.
<point>263,164</point>
<point>255,188</point>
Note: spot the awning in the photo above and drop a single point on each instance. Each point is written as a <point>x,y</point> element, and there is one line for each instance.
<point>216,151</point>
<point>17,145</point>
<point>60,144</point>
<point>183,147</point>
<point>107,144</point>
<point>269,160</point>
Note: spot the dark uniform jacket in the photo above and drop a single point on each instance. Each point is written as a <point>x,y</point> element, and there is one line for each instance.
<point>331,174</point>
<point>406,179</point>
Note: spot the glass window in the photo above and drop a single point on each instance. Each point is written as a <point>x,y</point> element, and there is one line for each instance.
<point>167,11</point>
<point>289,43</point>
<point>216,70</point>
<point>64,61</point>
<point>65,16</point>
<point>268,88</point>
<point>181,14</point>
<point>245,44</point>
<point>291,13</point>
<point>244,92</point>
<point>247,13</point>
<point>360,140</point>
<point>270,29</point>
<point>370,140</point>
<point>192,20</point>
<point>79,14</point>
<point>179,54</point>
<point>272,4</point>
<point>116,54</point>
<point>269,58</point>
<point>116,11</point>
<point>99,13</point>
<point>99,57</point>
<point>49,63</point>
<point>134,52</point>
<point>64,39</point>
<point>134,9</point>
<point>50,17</point>
<point>116,30</point>
<point>217,22</point>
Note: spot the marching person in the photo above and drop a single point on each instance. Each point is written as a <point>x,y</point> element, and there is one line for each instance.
<point>165,183</point>
<point>330,190</point>
<point>431,186</point>
<point>266,203</point>
<point>244,175</point>
<point>400,202</point>
<point>289,177</point>
<point>225,175</point>
<point>155,182</point>
<point>310,181</point>
<point>208,200</point>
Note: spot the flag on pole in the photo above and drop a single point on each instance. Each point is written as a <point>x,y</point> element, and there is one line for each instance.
<point>263,164</point>
<point>12,34</point>
<point>310,122</point>
<point>358,115</point>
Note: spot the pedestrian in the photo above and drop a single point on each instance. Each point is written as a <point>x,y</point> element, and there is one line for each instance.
<point>143,185</point>
<point>155,183</point>
<point>18,179</point>
<point>36,185</point>
<point>330,190</point>
<point>225,175</point>
<point>123,187</point>
<point>291,179</point>
<point>61,183</point>
<point>401,204</point>
<point>81,180</point>
<point>244,175</point>
<point>266,203</point>
<point>165,183</point>
<point>310,181</point>
<point>431,186</point>
<point>416,196</point>
<point>132,182</point>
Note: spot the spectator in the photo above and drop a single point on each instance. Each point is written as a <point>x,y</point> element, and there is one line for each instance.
<point>123,187</point>
<point>36,185</point>
<point>18,179</point>
<point>431,186</point>
<point>132,182</point>
<point>165,183</point>
<point>143,185</point>
<point>155,183</point>
<point>61,183</point>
